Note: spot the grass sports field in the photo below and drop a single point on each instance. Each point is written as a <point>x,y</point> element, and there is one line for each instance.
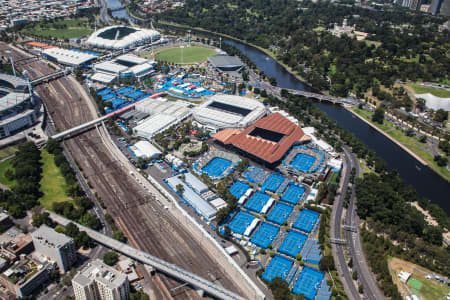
<point>62,30</point>
<point>186,55</point>
<point>419,89</point>
<point>428,289</point>
<point>53,184</point>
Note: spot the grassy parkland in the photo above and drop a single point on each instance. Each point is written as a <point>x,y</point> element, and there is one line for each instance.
<point>60,30</point>
<point>185,55</point>
<point>420,89</point>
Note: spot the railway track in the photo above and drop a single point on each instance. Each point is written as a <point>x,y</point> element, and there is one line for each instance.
<point>152,228</point>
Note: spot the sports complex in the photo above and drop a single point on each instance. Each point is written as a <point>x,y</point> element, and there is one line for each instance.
<point>122,37</point>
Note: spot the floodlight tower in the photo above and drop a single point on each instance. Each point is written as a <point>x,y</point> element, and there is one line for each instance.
<point>8,52</point>
<point>189,37</point>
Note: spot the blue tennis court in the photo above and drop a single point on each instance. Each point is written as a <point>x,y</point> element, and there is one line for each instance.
<point>308,282</point>
<point>108,96</point>
<point>255,174</point>
<point>306,220</point>
<point>293,243</point>
<point>240,222</point>
<point>118,102</point>
<point>272,182</point>
<point>293,194</point>
<point>134,95</point>
<point>104,91</point>
<point>265,235</point>
<point>303,162</point>
<point>216,166</point>
<point>238,189</point>
<point>257,202</point>
<point>125,90</point>
<point>279,267</point>
<point>280,213</point>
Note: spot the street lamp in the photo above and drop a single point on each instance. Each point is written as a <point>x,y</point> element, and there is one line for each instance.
<point>8,52</point>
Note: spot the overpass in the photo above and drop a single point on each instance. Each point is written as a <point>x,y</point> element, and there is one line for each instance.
<point>320,97</point>
<point>52,76</point>
<point>92,123</point>
<point>172,270</point>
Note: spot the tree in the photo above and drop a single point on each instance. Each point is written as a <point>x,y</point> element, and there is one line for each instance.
<point>139,295</point>
<point>280,289</point>
<point>433,234</point>
<point>378,115</point>
<point>110,258</point>
<point>180,189</point>
<point>440,115</point>
<point>118,235</point>
<point>355,275</point>
<point>326,263</point>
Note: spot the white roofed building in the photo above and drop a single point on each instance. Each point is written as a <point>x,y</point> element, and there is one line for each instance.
<point>154,125</point>
<point>227,111</point>
<point>145,149</point>
<point>122,37</point>
<point>68,57</point>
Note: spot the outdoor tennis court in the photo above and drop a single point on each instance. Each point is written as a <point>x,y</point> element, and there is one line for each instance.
<point>238,189</point>
<point>272,182</point>
<point>255,174</point>
<point>293,194</point>
<point>306,220</point>
<point>240,222</point>
<point>279,267</point>
<point>293,243</point>
<point>216,166</point>
<point>265,235</point>
<point>257,202</point>
<point>280,213</point>
<point>303,162</point>
<point>414,283</point>
<point>308,282</point>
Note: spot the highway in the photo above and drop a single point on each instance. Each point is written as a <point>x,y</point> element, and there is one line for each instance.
<point>335,231</point>
<point>365,275</point>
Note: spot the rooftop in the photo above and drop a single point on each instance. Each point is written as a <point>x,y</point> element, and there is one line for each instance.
<point>268,138</point>
<point>49,237</point>
<point>98,271</point>
<point>221,61</point>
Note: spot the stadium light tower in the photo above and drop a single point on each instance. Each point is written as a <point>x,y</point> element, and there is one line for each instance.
<point>189,37</point>
<point>8,52</point>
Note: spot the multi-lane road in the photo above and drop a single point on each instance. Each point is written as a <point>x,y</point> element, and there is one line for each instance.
<point>353,243</point>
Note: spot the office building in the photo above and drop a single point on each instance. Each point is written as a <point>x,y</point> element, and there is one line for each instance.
<point>55,246</point>
<point>99,281</point>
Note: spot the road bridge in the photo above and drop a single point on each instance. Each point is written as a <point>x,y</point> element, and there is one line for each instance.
<point>320,97</point>
<point>92,123</point>
<point>170,269</point>
<point>52,76</point>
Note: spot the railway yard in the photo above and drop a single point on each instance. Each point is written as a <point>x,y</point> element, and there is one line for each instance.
<point>147,224</point>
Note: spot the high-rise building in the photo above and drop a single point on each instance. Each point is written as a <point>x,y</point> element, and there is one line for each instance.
<point>98,281</point>
<point>55,246</point>
<point>436,6</point>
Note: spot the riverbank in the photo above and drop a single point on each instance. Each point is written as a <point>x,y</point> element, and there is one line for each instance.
<point>266,51</point>
<point>422,156</point>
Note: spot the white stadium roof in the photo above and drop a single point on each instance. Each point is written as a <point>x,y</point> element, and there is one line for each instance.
<point>226,111</point>
<point>68,57</point>
<point>137,36</point>
<point>103,77</point>
<point>130,58</point>
<point>110,67</point>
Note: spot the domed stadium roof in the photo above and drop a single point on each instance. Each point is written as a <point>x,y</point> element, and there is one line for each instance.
<point>120,37</point>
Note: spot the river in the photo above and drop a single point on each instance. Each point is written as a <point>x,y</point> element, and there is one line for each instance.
<point>427,183</point>
<point>121,13</point>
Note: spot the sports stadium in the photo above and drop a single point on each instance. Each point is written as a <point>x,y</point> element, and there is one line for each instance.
<point>122,37</point>
<point>17,108</point>
<point>226,111</point>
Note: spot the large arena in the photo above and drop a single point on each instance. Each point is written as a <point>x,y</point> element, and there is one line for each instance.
<point>226,111</point>
<point>17,108</point>
<point>122,37</point>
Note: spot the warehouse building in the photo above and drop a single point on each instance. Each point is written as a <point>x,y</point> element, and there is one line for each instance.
<point>69,58</point>
<point>145,149</point>
<point>227,111</point>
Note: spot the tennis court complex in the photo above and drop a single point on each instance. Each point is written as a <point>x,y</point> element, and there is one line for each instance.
<point>303,162</point>
<point>265,235</point>
<point>257,202</point>
<point>308,282</point>
<point>216,166</point>
<point>240,222</point>
<point>255,174</point>
<point>238,189</point>
<point>293,194</point>
<point>272,182</point>
<point>279,267</point>
<point>306,220</point>
<point>293,243</point>
<point>280,213</point>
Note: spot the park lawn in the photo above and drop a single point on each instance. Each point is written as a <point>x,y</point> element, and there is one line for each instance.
<point>74,28</point>
<point>410,142</point>
<point>186,55</point>
<point>53,183</point>
<point>8,151</point>
<point>4,166</point>
<point>430,289</point>
<point>419,89</point>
